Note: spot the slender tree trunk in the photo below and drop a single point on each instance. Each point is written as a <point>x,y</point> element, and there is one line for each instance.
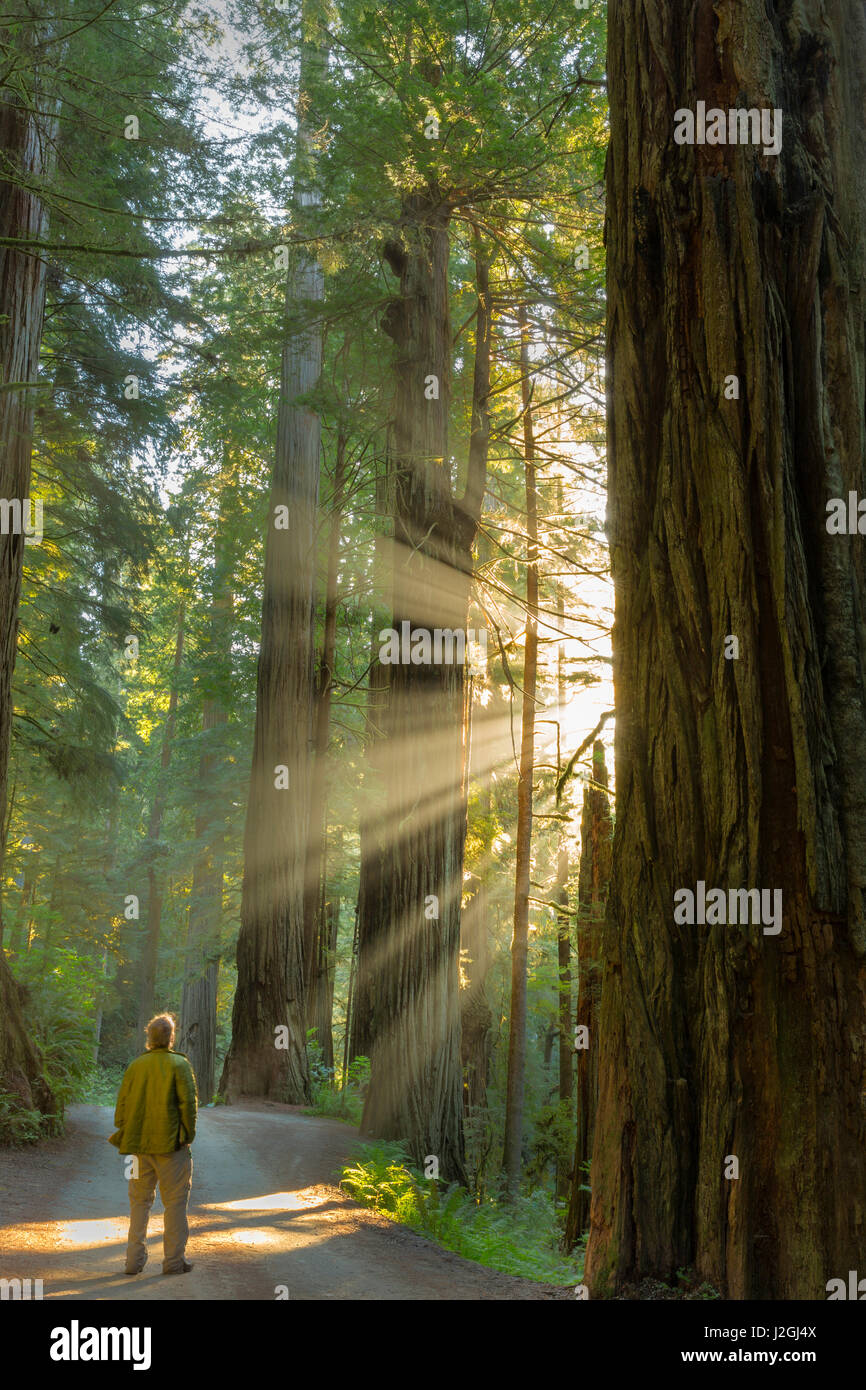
<point>198,1012</point>
<point>270,954</point>
<point>475,1009</point>
<point>27,141</point>
<point>514,1094</point>
<point>327,952</point>
<point>724,1042</point>
<point>20,930</point>
<point>317,929</point>
<point>415,1086</point>
<point>323,1020</point>
<point>147,990</point>
<point>563,920</point>
<point>476,1014</point>
<point>370,922</point>
<point>592,888</point>
<point>564,1033</point>
<point>198,1034</point>
<point>348,1054</point>
<point>475,959</point>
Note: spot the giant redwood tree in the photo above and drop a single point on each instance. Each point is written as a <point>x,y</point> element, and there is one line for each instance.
<point>270,991</point>
<point>740,770</point>
<point>416,1084</point>
<point>28,129</point>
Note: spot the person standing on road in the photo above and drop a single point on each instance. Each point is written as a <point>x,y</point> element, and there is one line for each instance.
<point>155,1118</point>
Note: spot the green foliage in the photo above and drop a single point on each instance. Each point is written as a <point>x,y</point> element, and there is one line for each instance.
<point>330,1096</point>
<point>18,1125</point>
<point>100,1085</point>
<point>553,1142</point>
<point>62,989</point>
<point>519,1238</point>
<point>691,1289</point>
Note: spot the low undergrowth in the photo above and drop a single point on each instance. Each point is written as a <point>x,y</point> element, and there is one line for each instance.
<point>338,1099</point>
<point>519,1237</point>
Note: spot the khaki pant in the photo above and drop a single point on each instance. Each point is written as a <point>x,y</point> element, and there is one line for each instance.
<point>173,1172</point>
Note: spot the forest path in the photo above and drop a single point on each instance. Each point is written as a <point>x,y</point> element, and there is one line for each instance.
<point>263,1212</point>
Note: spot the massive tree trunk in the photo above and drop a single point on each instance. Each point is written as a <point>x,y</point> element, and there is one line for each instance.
<point>746,772</point>
<point>415,1089</point>
<point>515,1086</point>
<point>27,141</point>
<point>270,990</point>
<point>592,889</point>
<point>147,986</point>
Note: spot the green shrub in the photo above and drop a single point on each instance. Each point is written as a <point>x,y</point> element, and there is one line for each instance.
<point>340,1100</point>
<point>18,1125</point>
<point>519,1237</point>
<point>61,1003</point>
<point>100,1085</point>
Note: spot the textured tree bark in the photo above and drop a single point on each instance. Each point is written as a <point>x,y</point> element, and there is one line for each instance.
<point>592,889</point>
<point>721,1040</point>
<point>515,1085</point>
<point>270,990</point>
<point>147,988</point>
<point>415,1091</point>
<point>27,141</point>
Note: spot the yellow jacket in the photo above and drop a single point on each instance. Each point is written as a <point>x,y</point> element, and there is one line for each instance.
<point>157,1104</point>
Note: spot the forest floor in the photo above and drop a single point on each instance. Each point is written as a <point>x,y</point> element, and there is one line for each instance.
<point>264,1211</point>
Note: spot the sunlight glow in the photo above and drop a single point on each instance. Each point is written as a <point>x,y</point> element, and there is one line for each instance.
<point>103,1232</point>
<point>276,1201</point>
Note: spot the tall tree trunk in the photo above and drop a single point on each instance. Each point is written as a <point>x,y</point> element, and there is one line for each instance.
<point>592,888</point>
<point>147,988</point>
<point>415,1085</point>
<point>20,929</point>
<point>201,975</point>
<point>319,928</point>
<point>564,1034</point>
<point>198,1011</point>
<point>369,920</point>
<point>563,915</point>
<point>515,1085</point>
<point>476,1013</point>
<point>724,1041</point>
<point>327,952</point>
<point>270,952</point>
<point>27,141</point>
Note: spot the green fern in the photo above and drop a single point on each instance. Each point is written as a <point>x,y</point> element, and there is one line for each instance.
<point>520,1238</point>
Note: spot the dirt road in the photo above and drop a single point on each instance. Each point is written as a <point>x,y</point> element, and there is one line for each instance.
<point>266,1220</point>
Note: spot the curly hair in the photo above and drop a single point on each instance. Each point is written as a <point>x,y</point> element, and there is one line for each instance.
<point>160,1031</point>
